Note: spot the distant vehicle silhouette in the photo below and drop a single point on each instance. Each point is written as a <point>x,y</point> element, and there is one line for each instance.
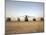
<point>8,19</point>
<point>26,18</point>
<point>34,19</point>
<point>18,19</point>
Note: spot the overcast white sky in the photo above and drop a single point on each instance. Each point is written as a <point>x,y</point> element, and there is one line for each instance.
<point>21,8</point>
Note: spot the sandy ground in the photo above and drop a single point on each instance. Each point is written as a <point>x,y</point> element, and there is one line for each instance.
<point>24,27</point>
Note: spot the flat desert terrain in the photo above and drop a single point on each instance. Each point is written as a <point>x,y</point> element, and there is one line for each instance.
<point>24,27</point>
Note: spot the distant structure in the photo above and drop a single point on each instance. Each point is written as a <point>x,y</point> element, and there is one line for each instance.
<point>8,19</point>
<point>26,18</point>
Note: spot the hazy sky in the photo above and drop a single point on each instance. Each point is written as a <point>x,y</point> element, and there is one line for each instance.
<point>21,8</point>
